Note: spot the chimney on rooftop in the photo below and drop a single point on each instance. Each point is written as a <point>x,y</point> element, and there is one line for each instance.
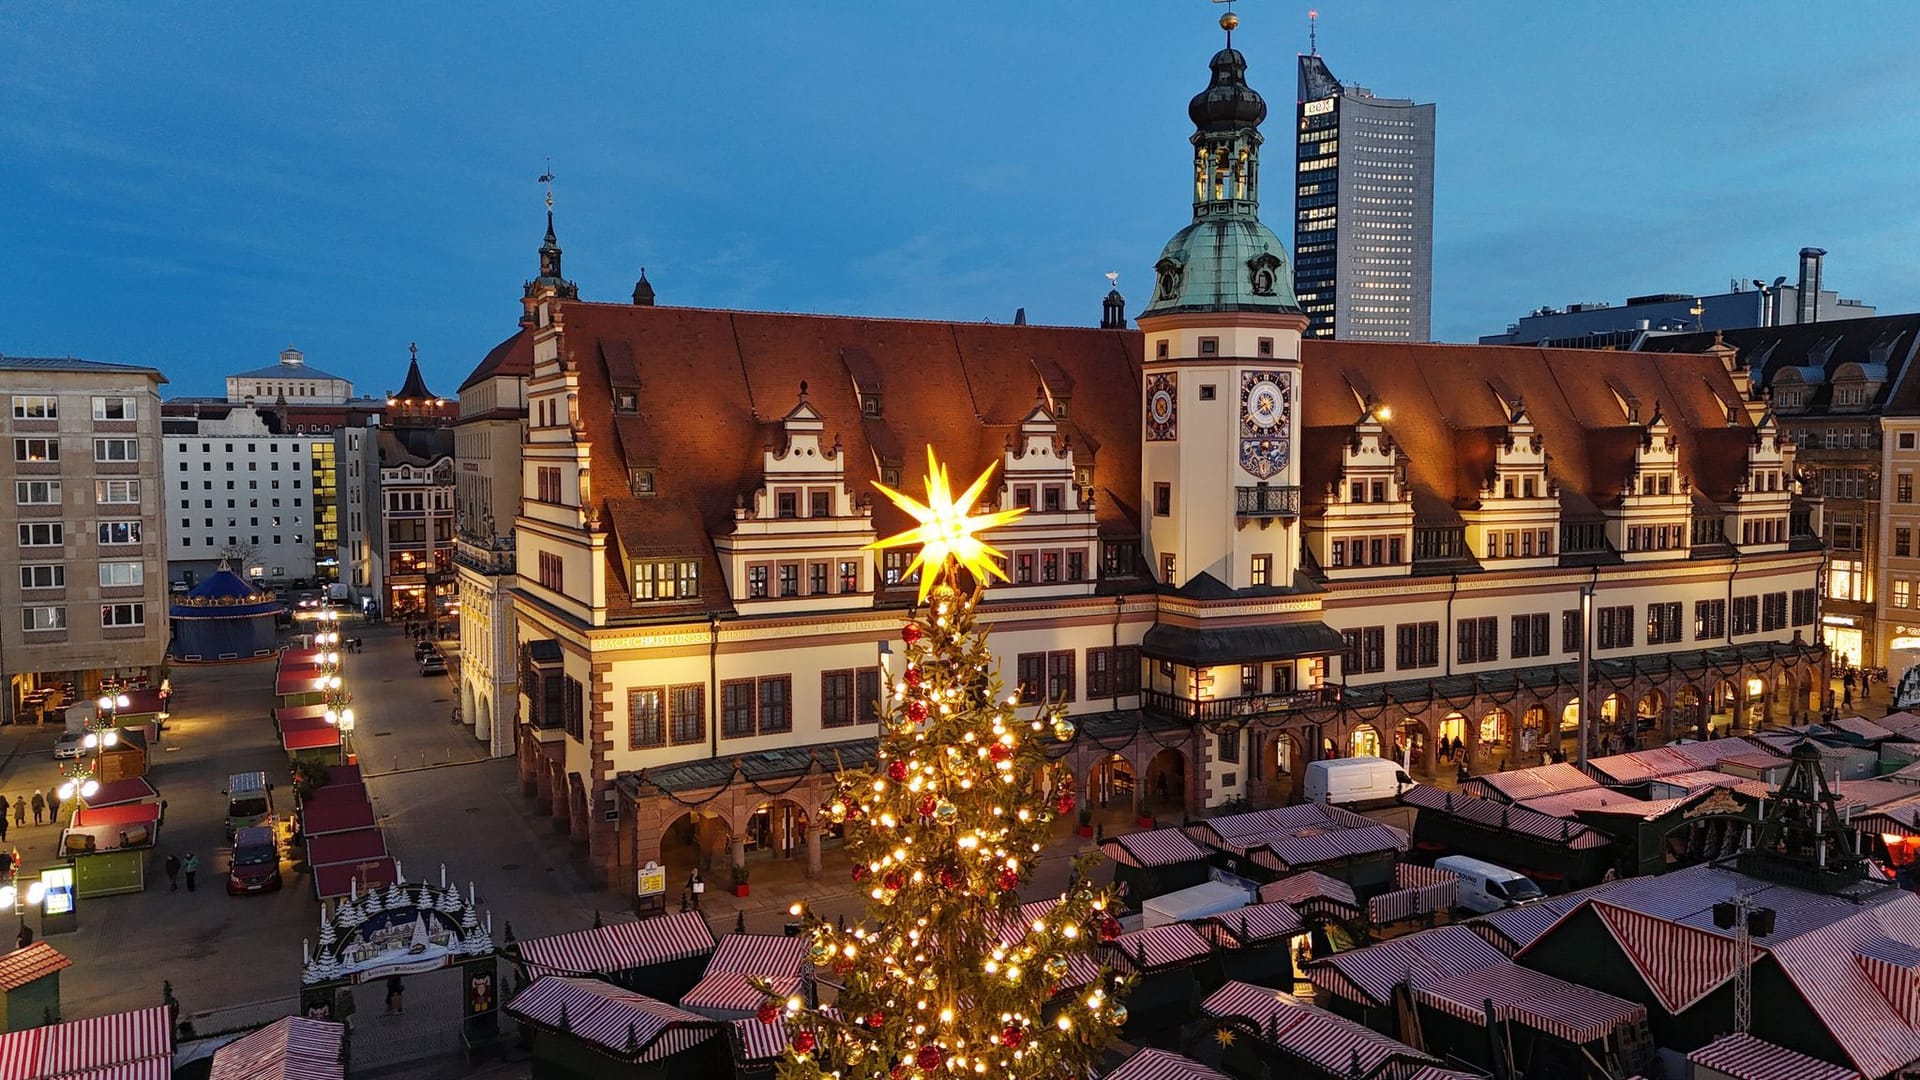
<point>1810,260</point>
<point>1019,316</point>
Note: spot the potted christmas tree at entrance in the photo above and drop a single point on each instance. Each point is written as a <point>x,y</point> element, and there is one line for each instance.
<point>945,975</point>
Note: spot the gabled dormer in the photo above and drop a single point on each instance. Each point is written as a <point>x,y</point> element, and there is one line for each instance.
<point>1515,522</point>
<point>1857,385</point>
<point>1759,517</point>
<point>1793,388</point>
<point>1050,550</point>
<point>1365,528</point>
<point>798,539</point>
<point>1653,517</point>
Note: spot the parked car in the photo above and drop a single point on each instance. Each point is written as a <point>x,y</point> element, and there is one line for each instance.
<point>177,588</point>
<point>433,664</point>
<point>255,866</point>
<point>72,744</point>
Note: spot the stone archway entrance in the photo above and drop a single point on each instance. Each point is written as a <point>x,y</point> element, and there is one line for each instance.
<point>1166,791</point>
<point>1364,741</point>
<point>1411,746</point>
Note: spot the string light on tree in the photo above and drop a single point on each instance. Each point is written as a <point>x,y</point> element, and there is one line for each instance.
<point>945,977</point>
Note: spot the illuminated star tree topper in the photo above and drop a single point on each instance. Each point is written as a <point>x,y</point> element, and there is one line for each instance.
<point>947,532</point>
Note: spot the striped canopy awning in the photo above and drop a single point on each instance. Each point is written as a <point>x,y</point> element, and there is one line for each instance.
<point>1160,948</point>
<point>292,1048</point>
<point>1255,924</point>
<point>121,1039</point>
<point>1368,976</point>
<point>733,992</point>
<point>1151,1064</point>
<point>153,1068</point>
<point>759,954</point>
<point>1745,1057</point>
<point>1312,1034</point>
<point>626,1025</point>
<point>1156,847</point>
<point>620,947</point>
<point>1527,997</point>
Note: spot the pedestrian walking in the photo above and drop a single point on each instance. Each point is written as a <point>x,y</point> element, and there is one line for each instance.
<point>1846,692</point>
<point>39,807</point>
<point>173,872</point>
<point>3,819</point>
<point>190,868</point>
<point>395,990</point>
<point>20,811</point>
<point>695,887</point>
<point>25,937</point>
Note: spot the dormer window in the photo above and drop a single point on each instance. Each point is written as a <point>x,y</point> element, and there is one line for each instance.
<point>788,503</point>
<point>640,481</point>
<point>626,400</point>
<point>1060,408</point>
<point>666,579</point>
<point>869,404</point>
<point>890,476</point>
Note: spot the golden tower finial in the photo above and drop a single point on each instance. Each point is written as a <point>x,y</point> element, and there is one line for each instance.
<point>1229,21</point>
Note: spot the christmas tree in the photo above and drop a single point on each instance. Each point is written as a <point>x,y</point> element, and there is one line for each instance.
<point>948,975</point>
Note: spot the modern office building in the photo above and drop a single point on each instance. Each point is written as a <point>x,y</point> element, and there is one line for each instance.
<point>1243,551</point>
<point>1745,305</point>
<point>273,480</point>
<point>1362,211</point>
<point>85,572</point>
<point>1834,388</point>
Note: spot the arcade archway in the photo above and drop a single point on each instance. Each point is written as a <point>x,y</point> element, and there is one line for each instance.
<point>1364,741</point>
<point>1166,791</point>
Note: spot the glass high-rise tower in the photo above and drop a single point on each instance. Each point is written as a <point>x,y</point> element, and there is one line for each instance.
<point>1363,211</point>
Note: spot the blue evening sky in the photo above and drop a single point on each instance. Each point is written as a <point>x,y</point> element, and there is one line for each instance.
<point>195,186</point>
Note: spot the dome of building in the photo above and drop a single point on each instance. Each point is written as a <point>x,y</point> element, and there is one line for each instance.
<point>1231,263</point>
<point>1228,104</point>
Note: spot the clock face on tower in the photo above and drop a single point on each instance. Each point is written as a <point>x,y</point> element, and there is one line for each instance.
<point>1266,415</point>
<point>1162,408</point>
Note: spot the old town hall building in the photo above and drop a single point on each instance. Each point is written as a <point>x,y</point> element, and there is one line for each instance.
<point>1242,552</point>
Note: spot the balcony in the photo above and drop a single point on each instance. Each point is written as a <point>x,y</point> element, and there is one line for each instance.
<point>487,554</point>
<point>1267,502</point>
<point>1238,708</point>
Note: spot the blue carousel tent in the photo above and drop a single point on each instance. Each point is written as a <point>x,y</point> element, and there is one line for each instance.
<point>223,619</point>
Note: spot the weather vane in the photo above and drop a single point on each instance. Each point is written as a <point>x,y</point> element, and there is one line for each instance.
<point>547,179</point>
<point>1113,279</point>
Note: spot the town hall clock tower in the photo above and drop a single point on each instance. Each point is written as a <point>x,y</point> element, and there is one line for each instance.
<point>1221,462</point>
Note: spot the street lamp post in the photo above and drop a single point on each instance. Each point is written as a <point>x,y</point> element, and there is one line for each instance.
<point>1586,669</point>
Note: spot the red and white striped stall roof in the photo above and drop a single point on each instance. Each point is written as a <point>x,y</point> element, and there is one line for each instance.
<point>1295,888</point>
<point>131,789</point>
<point>1529,998</point>
<point>1496,815</point>
<point>1900,817</point>
<point>1285,853</point>
<point>1159,948</point>
<point>1255,924</point>
<point>155,1068</point>
<point>1310,1033</point>
<point>293,1048</point>
<point>1418,890</point>
<point>733,992</point>
<point>128,1038</point>
<point>1368,976</point>
<point>1701,780</point>
<point>620,947</point>
<point>1706,755</point>
<point>1440,1072</point>
<point>755,1043</point>
<point>1157,847</point>
<point>1513,929</point>
<point>630,1026</point>
<point>1894,969</point>
<point>1861,726</point>
<point>1233,830</point>
<point>1535,782</point>
<point>1151,1064</point>
<point>759,954</point>
<point>1568,803</point>
<point>1744,1057</point>
<point>1640,765</point>
<point>1014,928</point>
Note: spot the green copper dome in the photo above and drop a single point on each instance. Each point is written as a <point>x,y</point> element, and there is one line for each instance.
<point>1226,260</point>
<point>1230,263</point>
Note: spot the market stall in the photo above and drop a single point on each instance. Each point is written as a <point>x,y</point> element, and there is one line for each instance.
<point>310,740</point>
<point>109,845</point>
<point>30,986</point>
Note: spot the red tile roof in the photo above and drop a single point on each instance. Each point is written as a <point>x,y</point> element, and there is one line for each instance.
<point>714,383</point>
<point>36,961</point>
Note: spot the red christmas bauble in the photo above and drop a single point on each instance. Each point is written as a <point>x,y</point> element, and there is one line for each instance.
<point>927,804</point>
<point>910,633</point>
<point>804,1042</point>
<point>1109,928</point>
<point>1064,804</point>
<point>894,881</point>
<point>917,711</point>
<point>999,751</point>
<point>1008,879</point>
<point>1011,1036</point>
<point>876,1018</point>
<point>897,1071</point>
<point>928,1058</point>
<point>948,879</point>
<point>767,1013</point>
<point>913,676</point>
<point>842,965</point>
<point>897,770</point>
<point>860,873</point>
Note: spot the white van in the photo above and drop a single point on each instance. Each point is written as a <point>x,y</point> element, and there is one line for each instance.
<point>1355,780</point>
<point>1485,887</point>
